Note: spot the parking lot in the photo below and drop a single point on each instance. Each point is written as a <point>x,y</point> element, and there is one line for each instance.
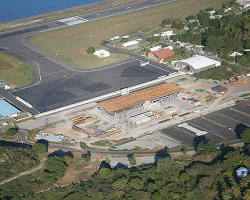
<point>222,125</point>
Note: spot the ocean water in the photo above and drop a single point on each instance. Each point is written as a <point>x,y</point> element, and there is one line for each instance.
<point>17,9</point>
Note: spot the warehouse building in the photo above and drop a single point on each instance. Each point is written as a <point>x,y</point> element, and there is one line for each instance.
<point>131,44</point>
<point>196,64</point>
<point>161,92</point>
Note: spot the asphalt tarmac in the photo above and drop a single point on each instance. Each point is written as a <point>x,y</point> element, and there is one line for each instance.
<point>221,125</point>
<point>56,83</point>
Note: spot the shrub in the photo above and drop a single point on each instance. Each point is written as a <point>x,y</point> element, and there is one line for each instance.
<point>90,50</point>
<point>11,131</point>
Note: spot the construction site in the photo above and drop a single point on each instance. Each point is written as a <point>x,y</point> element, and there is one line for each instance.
<point>135,118</point>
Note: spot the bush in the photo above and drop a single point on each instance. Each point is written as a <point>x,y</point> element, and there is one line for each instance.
<point>131,160</point>
<point>166,22</point>
<point>39,148</point>
<point>90,50</point>
<point>55,166</point>
<point>11,132</point>
<point>205,147</point>
<point>153,39</point>
<point>178,24</point>
<point>245,136</point>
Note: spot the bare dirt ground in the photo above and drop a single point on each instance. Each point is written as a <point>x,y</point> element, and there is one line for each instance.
<point>66,130</point>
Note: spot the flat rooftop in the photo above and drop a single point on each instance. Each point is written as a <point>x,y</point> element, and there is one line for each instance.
<point>7,109</point>
<point>126,102</point>
<point>198,62</point>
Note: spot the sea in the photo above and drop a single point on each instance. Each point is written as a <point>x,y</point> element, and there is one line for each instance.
<point>18,9</point>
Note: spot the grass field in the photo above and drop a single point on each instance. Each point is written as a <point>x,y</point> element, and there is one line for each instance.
<point>70,43</point>
<point>13,71</point>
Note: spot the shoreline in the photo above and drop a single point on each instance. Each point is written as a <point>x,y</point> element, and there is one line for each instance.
<point>60,14</point>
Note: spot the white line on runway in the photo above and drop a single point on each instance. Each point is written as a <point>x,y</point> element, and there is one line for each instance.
<point>107,16</point>
<point>154,66</point>
<point>39,72</point>
<point>94,70</point>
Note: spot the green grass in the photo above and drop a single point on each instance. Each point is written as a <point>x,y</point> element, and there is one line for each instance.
<point>14,71</point>
<point>70,43</point>
<point>225,71</point>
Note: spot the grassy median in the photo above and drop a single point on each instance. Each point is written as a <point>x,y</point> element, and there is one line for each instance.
<point>70,43</point>
<point>14,71</point>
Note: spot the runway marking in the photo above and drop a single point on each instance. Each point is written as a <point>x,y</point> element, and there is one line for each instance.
<point>107,16</point>
<point>94,70</point>
<point>124,12</point>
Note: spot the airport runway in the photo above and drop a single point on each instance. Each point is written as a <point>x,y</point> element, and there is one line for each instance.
<point>56,83</point>
<point>225,124</point>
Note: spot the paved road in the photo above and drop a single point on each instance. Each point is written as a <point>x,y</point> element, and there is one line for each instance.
<point>56,83</point>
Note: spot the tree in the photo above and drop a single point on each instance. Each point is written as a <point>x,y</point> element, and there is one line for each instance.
<point>166,22</point>
<point>136,183</point>
<point>153,39</point>
<point>231,160</point>
<point>55,166</point>
<point>39,147</point>
<point>245,136</point>
<point>131,160</point>
<point>184,177</point>
<point>205,147</point>
<point>178,24</point>
<point>105,173</point>
<point>190,17</point>
<point>11,132</point>
<point>120,184</point>
<point>90,50</point>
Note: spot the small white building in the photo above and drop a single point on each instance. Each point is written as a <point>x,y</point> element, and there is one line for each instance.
<point>235,53</point>
<point>130,43</point>
<point>125,36</point>
<point>156,48</point>
<point>115,38</point>
<point>212,12</point>
<point>228,9</point>
<point>196,64</point>
<point>102,53</point>
<point>169,47</point>
<point>167,33</point>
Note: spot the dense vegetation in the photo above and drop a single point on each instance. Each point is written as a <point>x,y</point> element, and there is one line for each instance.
<point>209,174</point>
<point>54,168</point>
<point>14,160</point>
<point>169,179</point>
<point>220,36</point>
<point>225,71</point>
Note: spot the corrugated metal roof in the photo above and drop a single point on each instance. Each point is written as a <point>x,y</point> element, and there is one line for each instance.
<point>121,103</point>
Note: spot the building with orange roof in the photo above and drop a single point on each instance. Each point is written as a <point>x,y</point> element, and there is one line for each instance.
<point>159,92</point>
<point>161,54</point>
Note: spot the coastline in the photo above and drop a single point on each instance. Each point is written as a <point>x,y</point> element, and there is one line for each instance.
<point>60,14</point>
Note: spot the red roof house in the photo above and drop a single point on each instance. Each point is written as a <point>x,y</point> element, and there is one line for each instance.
<point>161,54</point>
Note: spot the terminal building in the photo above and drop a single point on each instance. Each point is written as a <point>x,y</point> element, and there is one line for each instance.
<point>196,64</point>
<point>161,92</point>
